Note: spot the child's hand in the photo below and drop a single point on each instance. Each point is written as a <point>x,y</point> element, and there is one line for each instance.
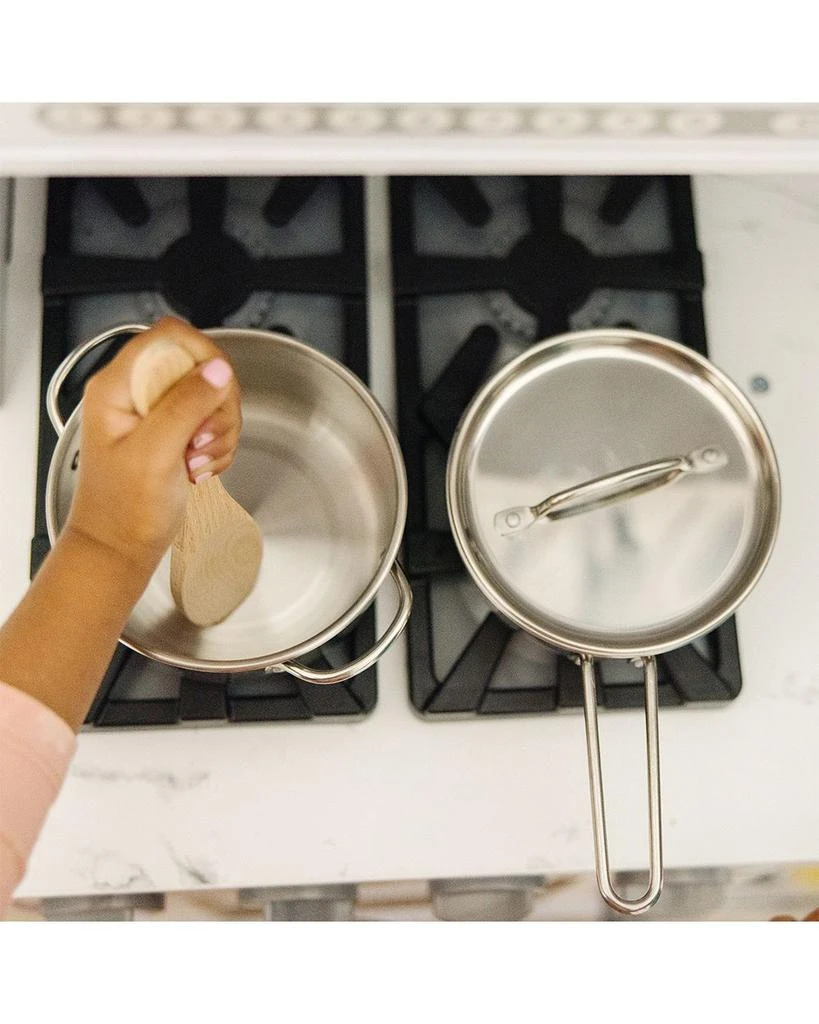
<point>133,475</point>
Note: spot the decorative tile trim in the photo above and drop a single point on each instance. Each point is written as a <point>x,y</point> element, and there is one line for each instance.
<point>628,121</point>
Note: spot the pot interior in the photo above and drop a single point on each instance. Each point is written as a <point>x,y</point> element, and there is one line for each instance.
<point>318,469</point>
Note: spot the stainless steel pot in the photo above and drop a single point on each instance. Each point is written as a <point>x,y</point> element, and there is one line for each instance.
<point>616,496</point>
<point>319,468</point>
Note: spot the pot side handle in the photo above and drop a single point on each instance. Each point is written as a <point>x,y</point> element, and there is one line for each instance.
<point>601,853</point>
<point>68,364</point>
<point>354,668</point>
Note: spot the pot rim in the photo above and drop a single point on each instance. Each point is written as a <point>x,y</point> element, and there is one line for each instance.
<point>388,556</point>
<point>567,639</point>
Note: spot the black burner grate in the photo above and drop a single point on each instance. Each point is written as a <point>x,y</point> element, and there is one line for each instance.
<point>211,269</point>
<point>483,268</point>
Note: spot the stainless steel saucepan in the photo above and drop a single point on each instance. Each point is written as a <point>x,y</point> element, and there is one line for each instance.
<point>615,495</point>
<point>319,468</point>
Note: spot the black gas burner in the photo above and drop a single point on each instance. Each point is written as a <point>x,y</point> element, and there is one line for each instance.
<point>282,254</point>
<point>489,677</point>
<point>548,271</point>
<point>541,268</point>
<point>208,273</point>
<point>137,693</point>
<point>577,253</point>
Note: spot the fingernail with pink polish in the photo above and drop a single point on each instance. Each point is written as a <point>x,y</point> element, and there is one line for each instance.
<point>196,461</point>
<point>217,372</point>
<point>201,440</point>
<point>202,477</point>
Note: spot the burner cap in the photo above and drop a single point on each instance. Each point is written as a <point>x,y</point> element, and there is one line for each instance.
<point>192,265</point>
<point>543,268</point>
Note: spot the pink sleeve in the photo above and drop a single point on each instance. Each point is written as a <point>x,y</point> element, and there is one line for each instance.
<point>36,746</point>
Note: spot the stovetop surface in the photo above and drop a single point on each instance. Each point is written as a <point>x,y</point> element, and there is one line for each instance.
<point>285,255</point>
<point>482,269</point>
<point>398,795</point>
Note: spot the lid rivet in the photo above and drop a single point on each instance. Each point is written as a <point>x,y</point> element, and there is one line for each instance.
<point>710,454</point>
<point>513,520</point>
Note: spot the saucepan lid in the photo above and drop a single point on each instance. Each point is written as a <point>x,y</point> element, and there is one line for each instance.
<point>613,493</point>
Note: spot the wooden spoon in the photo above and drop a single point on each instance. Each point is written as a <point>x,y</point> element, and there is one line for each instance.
<point>216,555</point>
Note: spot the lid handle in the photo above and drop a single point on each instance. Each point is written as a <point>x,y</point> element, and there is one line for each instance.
<point>605,490</point>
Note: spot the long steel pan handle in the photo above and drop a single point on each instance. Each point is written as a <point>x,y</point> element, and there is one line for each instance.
<point>601,853</point>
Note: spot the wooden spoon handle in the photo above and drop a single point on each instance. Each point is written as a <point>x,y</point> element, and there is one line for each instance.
<point>156,369</point>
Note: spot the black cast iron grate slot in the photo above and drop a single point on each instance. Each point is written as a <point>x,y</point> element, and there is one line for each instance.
<point>303,704</point>
<point>443,404</point>
<point>465,198</point>
<point>622,195</point>
<point>124,197</point>
<point>268,709</point>
<point>203,698</point>
<point>427,420</point>
<point>288,196</point>
<point>139,713</point>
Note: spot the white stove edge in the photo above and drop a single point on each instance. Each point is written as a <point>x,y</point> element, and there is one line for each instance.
<point>395,797</point>
<point>371,138</point>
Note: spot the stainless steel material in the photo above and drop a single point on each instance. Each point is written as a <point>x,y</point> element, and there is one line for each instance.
<point>505,898</point>
<point>601,853</point>
<point>63,371</point>
<point>606,490</point>
<point>113,907</point>
<point>354,668</point>
<point>689,894</point>
<point>302,902</point>
<point>638,577</point>
<point>320,470</point>
<point>627,579</point>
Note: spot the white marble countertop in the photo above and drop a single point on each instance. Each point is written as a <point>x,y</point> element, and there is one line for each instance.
<point>395,797</point>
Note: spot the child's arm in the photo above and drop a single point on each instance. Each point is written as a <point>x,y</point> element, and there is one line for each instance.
<point>127,507</point>
<point>59,640</point>
<point>36,746</point>
<point>128,504</point>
